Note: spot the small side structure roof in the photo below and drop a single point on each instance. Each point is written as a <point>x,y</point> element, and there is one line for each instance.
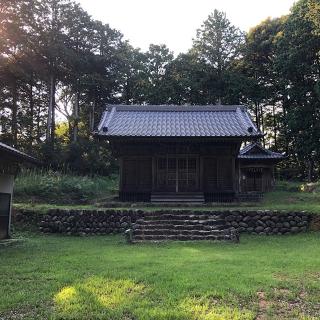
<point>15,154</point>
<point>177,121</point>
<point>254,151</point>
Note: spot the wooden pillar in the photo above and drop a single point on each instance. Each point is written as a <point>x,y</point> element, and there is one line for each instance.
<point>234,182</point>
<point>154,173</point>
<point>201,174</point>
<point>121,173</point>
<point>239,177</point>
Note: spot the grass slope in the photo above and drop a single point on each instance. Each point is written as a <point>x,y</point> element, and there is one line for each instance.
<point>276,200</point>
<point>42,191</point>
<point>34,186</point>
<point>102,277</point>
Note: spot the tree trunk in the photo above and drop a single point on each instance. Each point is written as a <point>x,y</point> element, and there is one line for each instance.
<point>256,105</point>
<point>14,125</point>
<point>262,125</point>
<point>310,170</point>
<point>91,120</point>
<point>76,117</point>
<point>53,116</point>
<point>284,110</point>
<point>275,127</point>
<point>31,115</point>
<point>38,121</point>
<point>49,136</point>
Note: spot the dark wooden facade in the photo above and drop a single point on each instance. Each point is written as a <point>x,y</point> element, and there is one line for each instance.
<point>177,166</point>
<point>256,177</point>
<point>256,166</point>
<point>177,150</point>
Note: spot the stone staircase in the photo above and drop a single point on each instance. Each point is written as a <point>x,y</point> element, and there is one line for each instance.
<point>172,197</point>
<point>184,226</point>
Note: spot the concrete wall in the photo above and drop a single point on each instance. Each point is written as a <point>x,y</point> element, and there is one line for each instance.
<point>6,186</point>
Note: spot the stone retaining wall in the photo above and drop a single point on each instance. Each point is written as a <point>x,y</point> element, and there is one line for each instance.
<point>26,218</point>
<point>89,222</point>
<point>268,222</point>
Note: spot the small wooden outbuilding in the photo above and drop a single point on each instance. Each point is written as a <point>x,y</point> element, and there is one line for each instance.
<point>256,167</point>
<point>10,160</point>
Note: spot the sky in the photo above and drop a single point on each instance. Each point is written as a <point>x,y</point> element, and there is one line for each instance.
<point>174,22</point>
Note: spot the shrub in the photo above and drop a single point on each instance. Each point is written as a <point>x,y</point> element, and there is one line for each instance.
<point>288,186</point>
<point>312,187</point>
<point>54,187</point>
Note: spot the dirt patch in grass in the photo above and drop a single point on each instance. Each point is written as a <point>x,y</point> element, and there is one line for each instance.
<point>28,312</point>
<point>315,223</point>
<point>283,303</point>
<point>263,306</point>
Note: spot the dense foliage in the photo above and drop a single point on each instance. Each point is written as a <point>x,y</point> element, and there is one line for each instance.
<point>56,62</point>
<point>34,186</point>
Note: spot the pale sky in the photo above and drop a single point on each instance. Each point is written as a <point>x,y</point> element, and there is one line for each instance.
<point>174,22</point>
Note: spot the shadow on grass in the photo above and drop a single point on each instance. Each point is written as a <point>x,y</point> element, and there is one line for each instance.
<point>100,298</point>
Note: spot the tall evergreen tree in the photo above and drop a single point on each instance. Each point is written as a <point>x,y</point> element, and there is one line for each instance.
<point>218,44</point>
<point>299,66</point>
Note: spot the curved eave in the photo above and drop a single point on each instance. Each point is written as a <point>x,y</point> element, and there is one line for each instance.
<point>260,159</point>
<point>117,137</point>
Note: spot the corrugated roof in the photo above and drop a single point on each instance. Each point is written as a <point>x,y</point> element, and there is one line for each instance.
<point>176,121</point>
<point>16,153</point>
<point>256,151</point>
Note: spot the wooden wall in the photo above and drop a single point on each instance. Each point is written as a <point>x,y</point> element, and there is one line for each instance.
<point>216,164</point>
<point>136,174</point>
<point>257,177</point>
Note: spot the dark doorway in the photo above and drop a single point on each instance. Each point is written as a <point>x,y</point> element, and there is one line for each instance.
<point>253,180</point>
<point>5,202</point>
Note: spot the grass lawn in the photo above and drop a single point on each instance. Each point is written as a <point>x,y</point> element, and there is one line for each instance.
<point>102,277</point>
<point>276,200</point>
<point>41,191</point>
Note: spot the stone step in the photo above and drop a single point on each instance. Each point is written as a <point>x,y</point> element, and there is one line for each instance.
<point>172,193</point>
<point>182,217</point>
<point>177,195</point>
<point>186,225</point>
<point>226,237</point>
<point>173,201</point>
<point>174,196</point>
<point>160,232</point>
<point>192,197</point>
<point>183,222</point>
<point>179,227</point>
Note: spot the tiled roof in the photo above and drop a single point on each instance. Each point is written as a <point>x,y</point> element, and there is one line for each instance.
<point>5,149</point>
<point>256,151</point>
<point>176,121</point>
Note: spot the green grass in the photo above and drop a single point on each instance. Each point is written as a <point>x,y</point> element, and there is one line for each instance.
<point>276,200</point>
<point>43,208</point>
<point>34,186</point>
<point>102,277</point>
<point>41,191</point>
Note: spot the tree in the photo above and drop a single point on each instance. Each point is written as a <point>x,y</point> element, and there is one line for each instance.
<point>158,57</point>
<point>263,89</point>
<point>133,75</point>
<point>299,66</point>
<point>217,45</point>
